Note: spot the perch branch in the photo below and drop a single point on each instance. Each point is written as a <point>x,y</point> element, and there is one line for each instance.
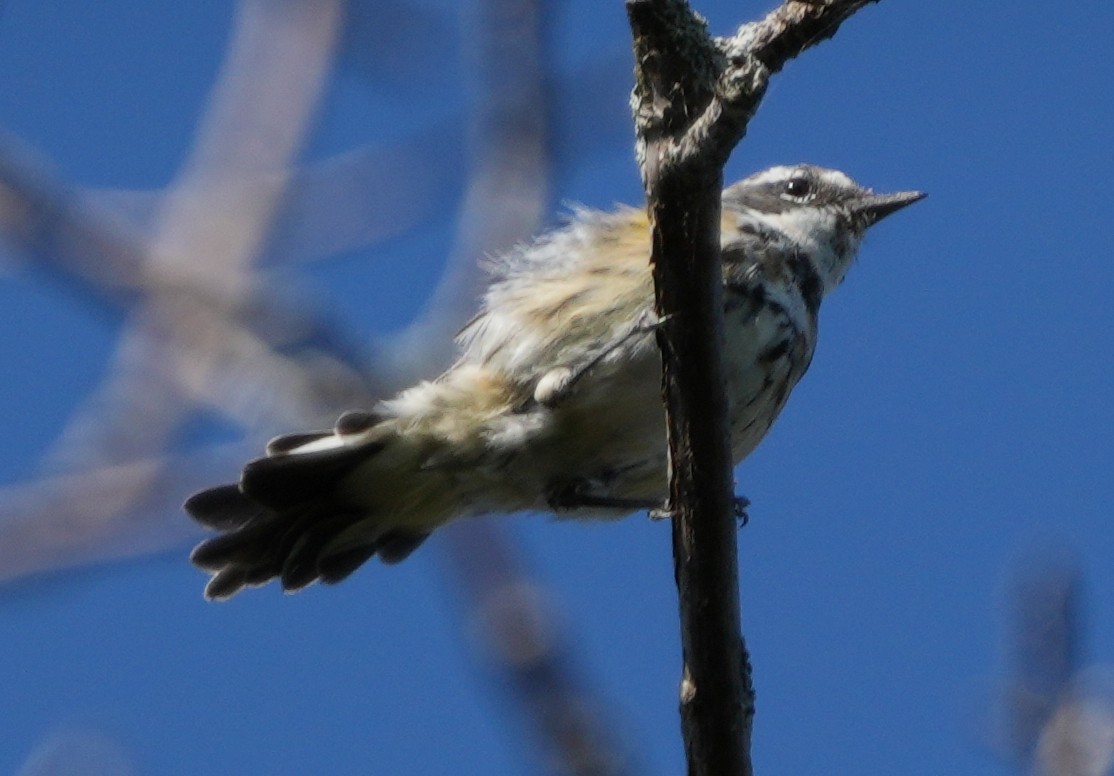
<point>693,98</point>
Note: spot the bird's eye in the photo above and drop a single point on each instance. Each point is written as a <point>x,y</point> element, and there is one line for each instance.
<point>798,187</point>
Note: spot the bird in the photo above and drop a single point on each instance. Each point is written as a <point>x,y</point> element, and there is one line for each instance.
<point>554,401</point>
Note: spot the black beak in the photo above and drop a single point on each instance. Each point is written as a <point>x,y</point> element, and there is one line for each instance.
<point>874,207</point>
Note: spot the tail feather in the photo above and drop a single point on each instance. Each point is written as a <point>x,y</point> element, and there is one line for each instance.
<point>287,443</point>
<point>300,516</point>
<point>338,566</point>
<point>226,583</point>
<point>247,546</point>
<point>279,481</point>
<point>294,546</point>
<point>301,563</point>
<point>224,508</point>
<point>396,546</point>
<point>355,422</point>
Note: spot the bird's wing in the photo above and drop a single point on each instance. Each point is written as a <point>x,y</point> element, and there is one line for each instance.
<point>580,297</point>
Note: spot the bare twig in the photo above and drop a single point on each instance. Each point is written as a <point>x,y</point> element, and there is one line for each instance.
<point>692,100</point>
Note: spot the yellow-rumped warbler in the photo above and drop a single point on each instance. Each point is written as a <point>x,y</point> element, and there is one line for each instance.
<point>554,403</point>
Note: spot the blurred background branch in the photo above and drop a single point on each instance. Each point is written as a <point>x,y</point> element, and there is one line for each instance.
<point>1053,715</point>
<point>206,333</point>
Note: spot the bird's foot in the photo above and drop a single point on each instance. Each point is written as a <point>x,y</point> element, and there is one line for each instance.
<point>740,504</point>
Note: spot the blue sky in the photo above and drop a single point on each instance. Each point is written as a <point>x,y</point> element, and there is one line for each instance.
<point>956,419</point>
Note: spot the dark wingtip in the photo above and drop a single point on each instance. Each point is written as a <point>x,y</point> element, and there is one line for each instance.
<point>225,584</point>
<point>223,508</point>
<point>396,546</point>
<point>283,481</point>
<point>282,445</point>
<point>338,566</point>
<point>215,553</point>
<point>298,572</point>
<point>357,422</point>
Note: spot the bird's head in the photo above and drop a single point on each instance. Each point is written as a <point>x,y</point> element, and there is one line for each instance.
<point>822,212</point>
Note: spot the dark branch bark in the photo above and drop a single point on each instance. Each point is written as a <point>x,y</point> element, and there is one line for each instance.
<point>692,100</point>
